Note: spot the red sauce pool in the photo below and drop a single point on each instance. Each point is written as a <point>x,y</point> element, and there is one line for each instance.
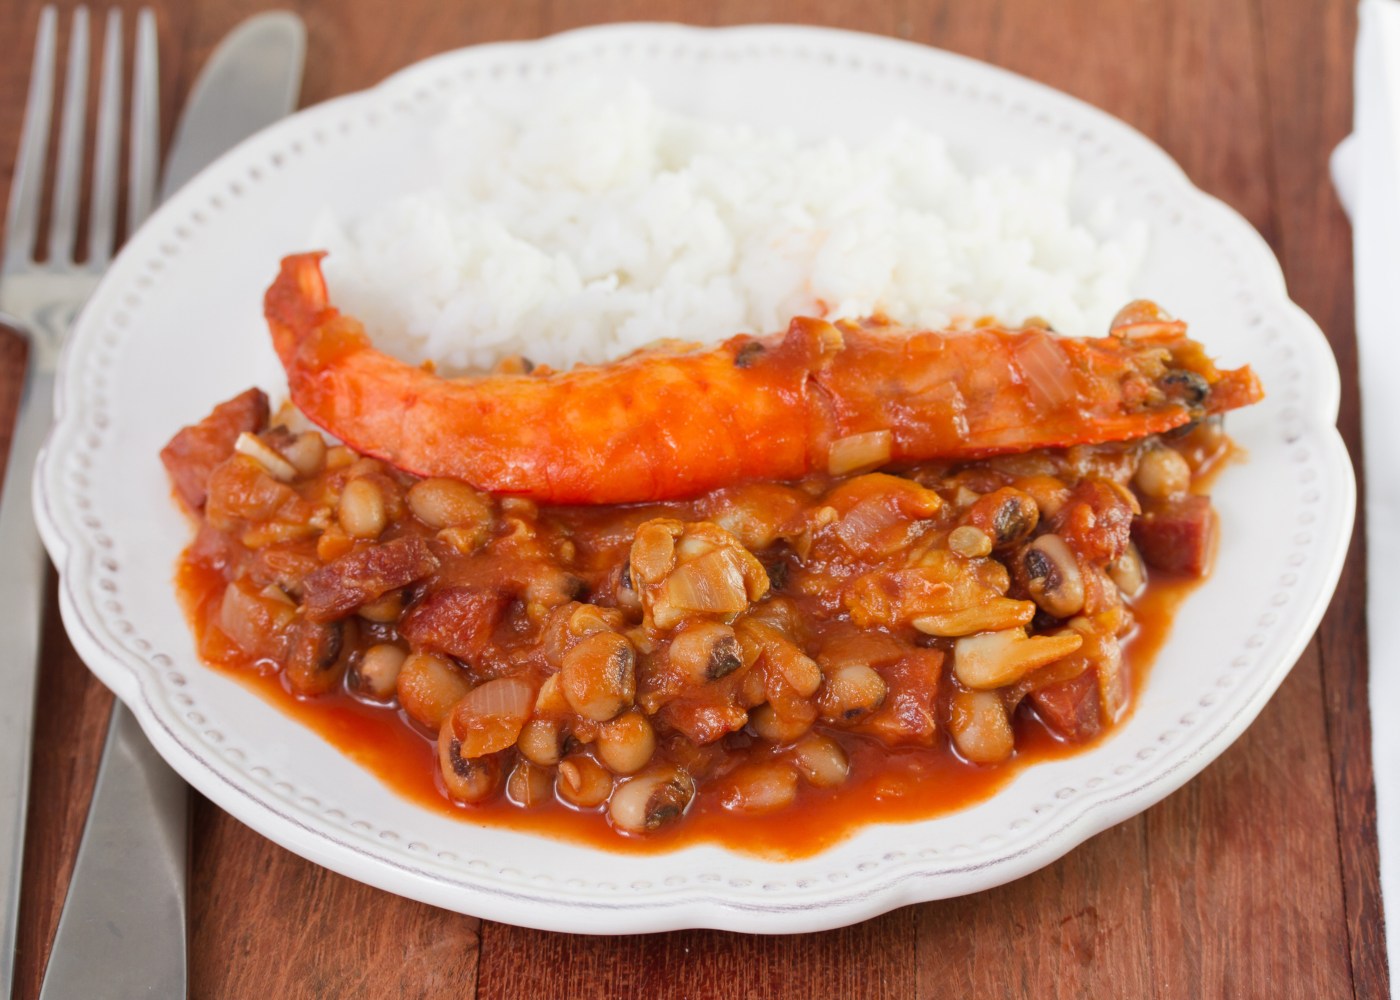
<point>886,786</point>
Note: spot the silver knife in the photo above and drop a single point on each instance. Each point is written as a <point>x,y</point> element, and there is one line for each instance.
<point>122,932</point>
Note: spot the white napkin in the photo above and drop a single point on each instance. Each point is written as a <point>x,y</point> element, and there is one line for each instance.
<point>1366,171</point>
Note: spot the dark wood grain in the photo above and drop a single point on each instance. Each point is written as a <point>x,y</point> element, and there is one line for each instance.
<point>1310,108</point>
<point>1259,878</point>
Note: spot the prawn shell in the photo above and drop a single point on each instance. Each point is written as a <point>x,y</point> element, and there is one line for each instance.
<point>667,424</point>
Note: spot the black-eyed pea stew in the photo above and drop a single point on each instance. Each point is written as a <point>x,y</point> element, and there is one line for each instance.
<point>838,650</point>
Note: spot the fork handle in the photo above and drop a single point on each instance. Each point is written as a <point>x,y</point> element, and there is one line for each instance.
<point>122,932</point>
<point>21,598</point>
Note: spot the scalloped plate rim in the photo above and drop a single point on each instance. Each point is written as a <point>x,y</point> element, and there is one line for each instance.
<point>695,906</point>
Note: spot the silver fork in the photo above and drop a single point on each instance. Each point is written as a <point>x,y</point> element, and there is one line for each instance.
<point>41,299</point>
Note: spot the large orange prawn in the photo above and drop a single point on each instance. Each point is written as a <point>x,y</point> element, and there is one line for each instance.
<point>670,423</point>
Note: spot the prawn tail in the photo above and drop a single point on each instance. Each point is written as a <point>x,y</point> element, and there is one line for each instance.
<point>1234,389</point>
<point>297,304</point>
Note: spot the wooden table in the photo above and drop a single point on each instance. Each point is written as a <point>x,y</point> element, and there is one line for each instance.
<point>1257,879</point>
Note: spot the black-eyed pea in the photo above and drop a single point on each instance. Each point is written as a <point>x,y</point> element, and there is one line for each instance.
<point>429,686</point>
<point>376,673</point>
<point>1051,575</point>
<point>447,503</point>
<point>759,787</point>
<point>362,512</point>
<point>385,610</point>
<point>1006,516</point>
<point>1128,571</point>
<point>821,760</point>
<point>770,725</point>
<point>529,785</point>
<point>651,800</point>
<point>319,655</point>
<point>539,742</point>
<point>583,782</point>
<point>363,465</point>
<point>466,539</point>
<point>752,689</point>
<point>306,452</point>
<point>1162,473</point>
<point>626,744</point>
<point>851,692</point>
<point>970,542</point>
<point>468,780</point>
<point>980,727</point>
<point>598,675</point>
<point>1049,493</point>
<point>705,651</point>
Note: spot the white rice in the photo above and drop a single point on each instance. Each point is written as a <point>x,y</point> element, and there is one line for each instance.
<point>593,222</point>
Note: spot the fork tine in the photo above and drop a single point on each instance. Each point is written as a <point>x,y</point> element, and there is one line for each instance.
<point>102,217</point>
<point>27,186</point>
<point>63,226</point>
<point>145,123</point>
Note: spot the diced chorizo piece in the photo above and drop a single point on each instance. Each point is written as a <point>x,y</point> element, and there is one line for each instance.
<point>907,716</point>
<point>1179,535</point>
<point>1070,708</point>
<point>214,548</point>
<point>286,564</point>
<point>194,452</point>
<point>239,493</point>
<point>457,621</point>
<point>703,721</point>
<point>1096,519</point>
<point>365,575</point>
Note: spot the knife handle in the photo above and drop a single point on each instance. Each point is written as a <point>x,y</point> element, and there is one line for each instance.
<point>21,594</point>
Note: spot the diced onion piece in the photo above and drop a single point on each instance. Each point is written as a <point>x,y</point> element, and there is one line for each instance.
<point>275,593</point>
<point>1048,376</point>
<point>265,455</point>
<point>1113,685</point>
<point>714,583</point>
<point>799,670</point>
<point>254,620</point>
<point>859,452</point>
<point>995,615</point>
<point>994,659</point>
<point>491,716</point>
<point>831,338</point>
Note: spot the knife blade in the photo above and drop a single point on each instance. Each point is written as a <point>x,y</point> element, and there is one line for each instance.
<point>122,930</point>
<point>254,72</point>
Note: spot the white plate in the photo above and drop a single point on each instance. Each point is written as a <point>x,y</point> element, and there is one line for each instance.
<point>176,326</point>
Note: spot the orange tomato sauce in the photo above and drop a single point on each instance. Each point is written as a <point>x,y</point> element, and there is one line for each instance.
<point>886,785</point>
